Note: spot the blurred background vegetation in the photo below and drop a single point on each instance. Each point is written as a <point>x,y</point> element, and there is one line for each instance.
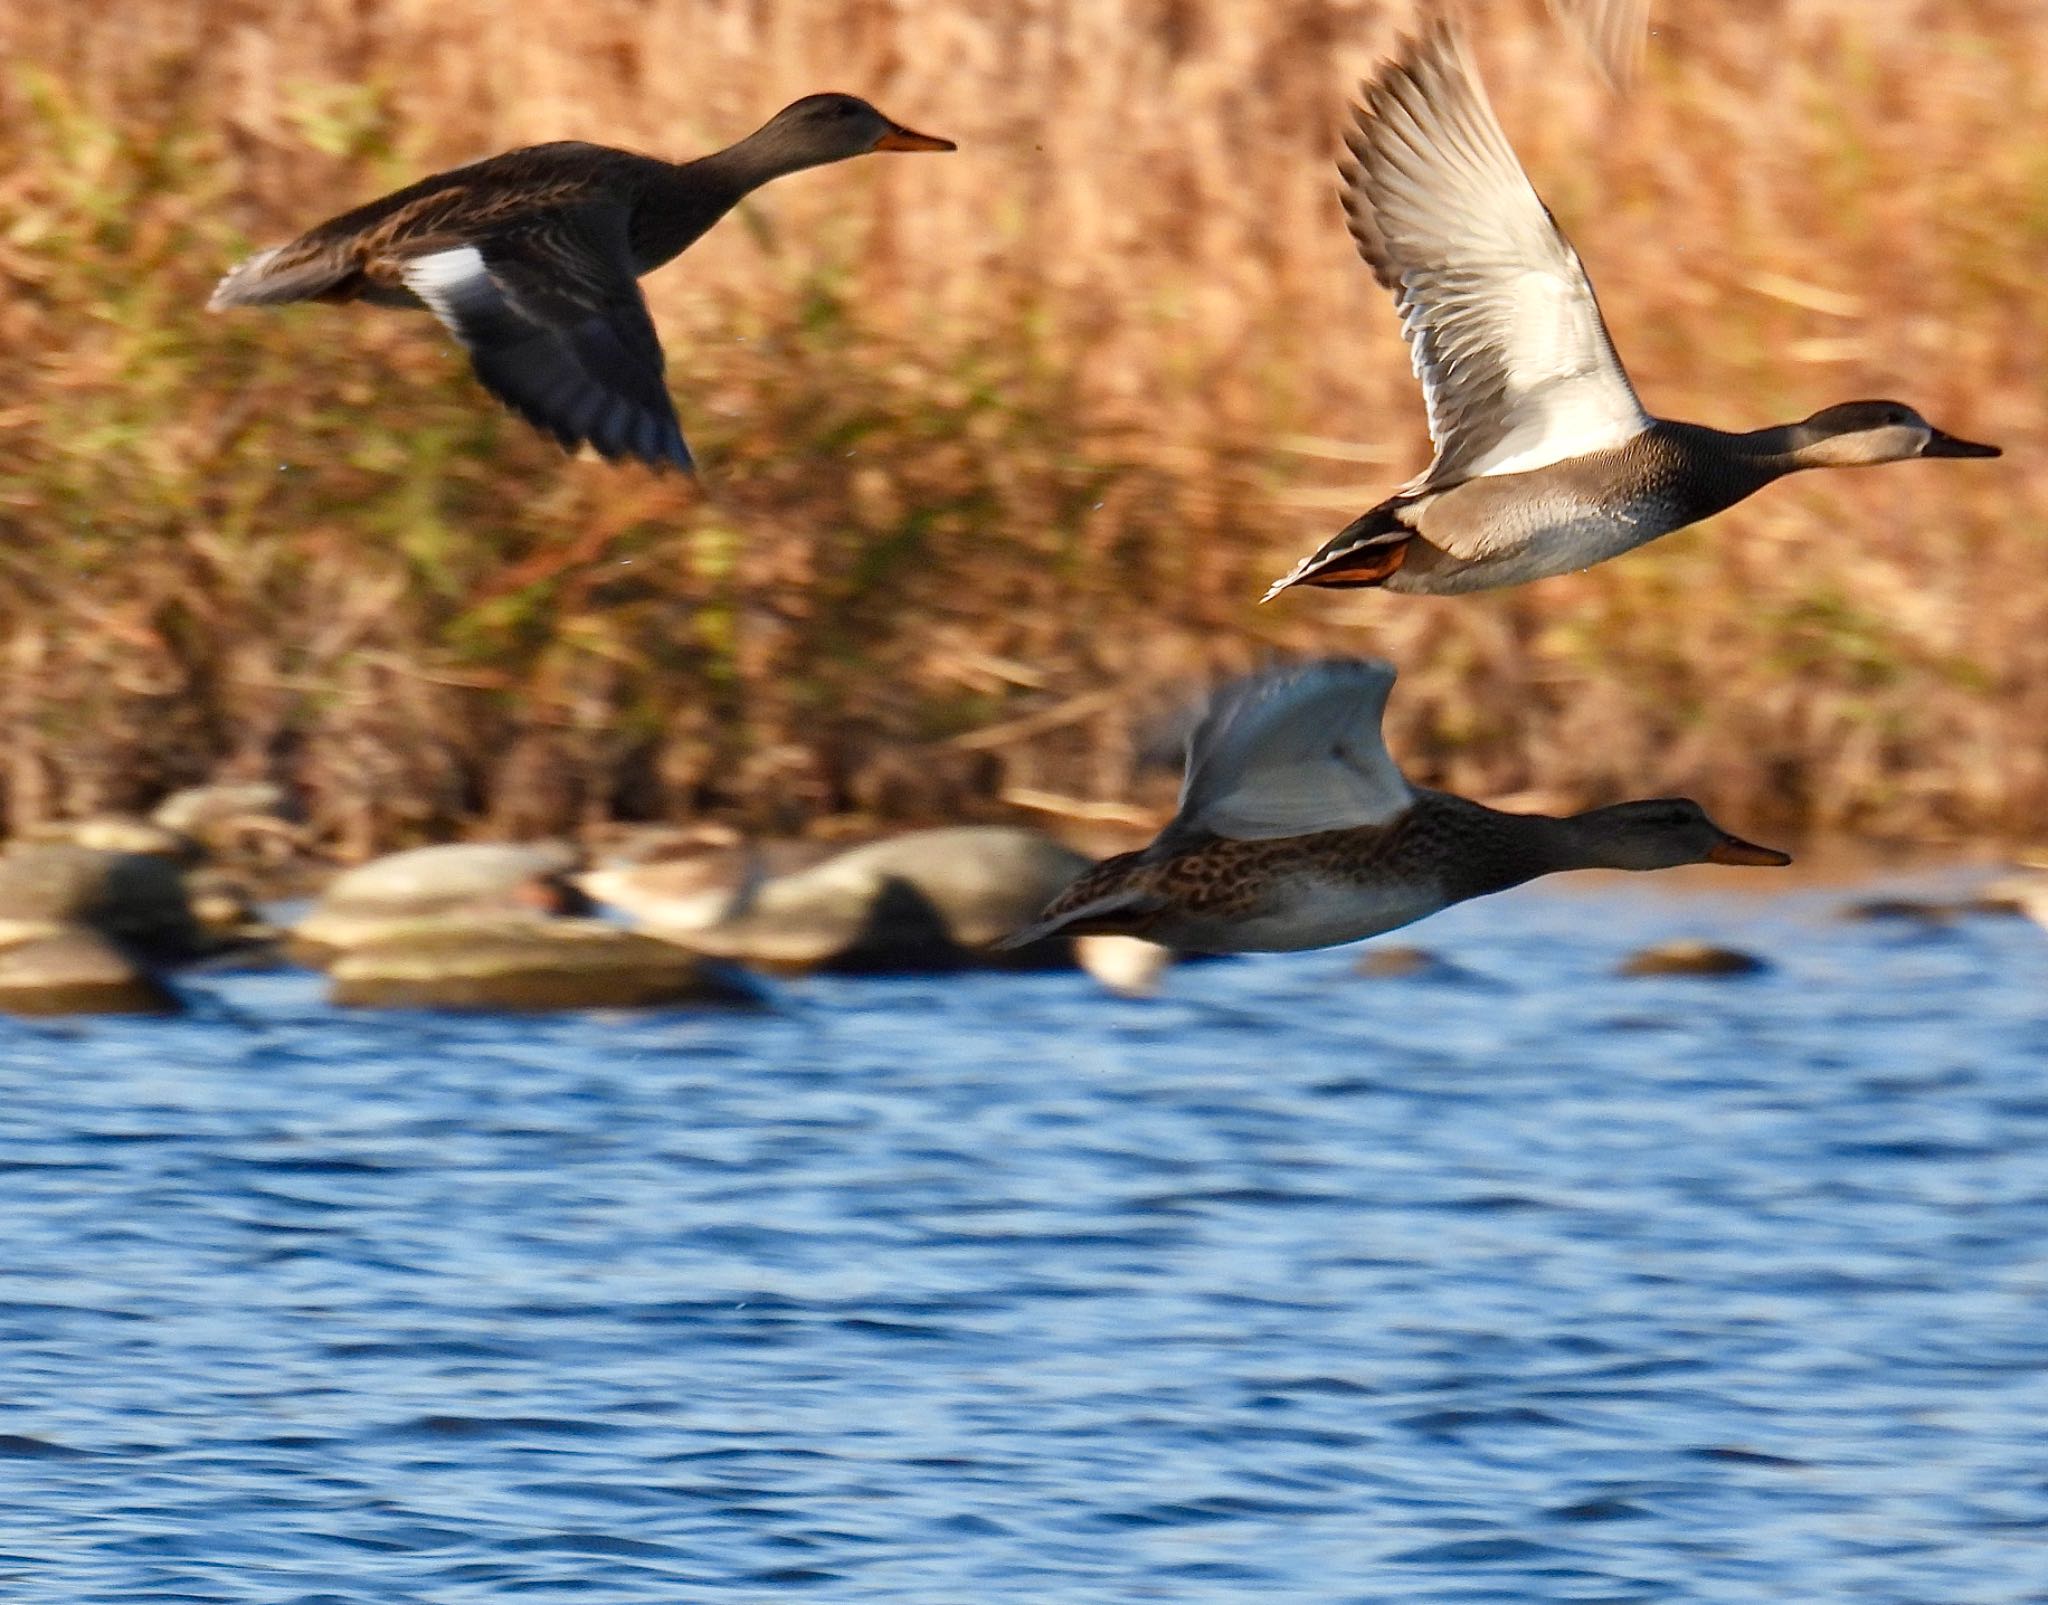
<point>1000,447</point>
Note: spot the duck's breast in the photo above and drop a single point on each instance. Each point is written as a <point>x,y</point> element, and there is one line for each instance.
<point>1301,911</point>
<point>1514,528</point>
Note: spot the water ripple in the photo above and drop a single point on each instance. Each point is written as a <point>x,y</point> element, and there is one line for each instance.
<point>1290,1286</point>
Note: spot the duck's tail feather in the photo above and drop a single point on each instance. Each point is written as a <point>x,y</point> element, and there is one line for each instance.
<point>1365,551</point>
<point>1112,914</point>
<point>277,275</point>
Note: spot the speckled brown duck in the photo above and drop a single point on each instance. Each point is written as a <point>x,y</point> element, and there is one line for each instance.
<point>531,260</point>
<point>1296,830</point>
<point>1545,460</point>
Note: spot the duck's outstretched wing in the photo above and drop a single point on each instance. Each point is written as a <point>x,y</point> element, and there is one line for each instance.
<point>1612,31</point>
<point>1501,322</point>
<point>552,317</point>
<point>1291,752</point>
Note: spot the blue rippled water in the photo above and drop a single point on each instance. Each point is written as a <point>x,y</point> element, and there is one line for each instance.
<point>1518,1284</point>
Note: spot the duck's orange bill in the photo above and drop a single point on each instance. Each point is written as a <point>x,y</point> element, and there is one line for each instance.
<point>1734,850</point>
<point>901,138</point>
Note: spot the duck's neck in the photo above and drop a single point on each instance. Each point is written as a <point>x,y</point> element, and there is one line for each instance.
<point>780,146</point>
<point>1496,850</point>
<point>1579,841</point>
<point>1771,452</point>
<point>1703,470</point>
<point>688,197</point>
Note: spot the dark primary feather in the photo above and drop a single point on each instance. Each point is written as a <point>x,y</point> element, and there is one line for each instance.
<point>560,332</point>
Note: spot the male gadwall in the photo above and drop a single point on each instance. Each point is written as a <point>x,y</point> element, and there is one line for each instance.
<point>530,260</point>
<point>1545,460</point>
<point>1296,830</point>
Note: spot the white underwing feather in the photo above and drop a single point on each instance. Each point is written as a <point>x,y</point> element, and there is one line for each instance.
<point>448,280</point>
<point>1502,325</point>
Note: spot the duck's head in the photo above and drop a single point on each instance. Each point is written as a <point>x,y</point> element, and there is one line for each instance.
<point>1858,433</point>
<point>1662,833</point>
<point>832,127</point>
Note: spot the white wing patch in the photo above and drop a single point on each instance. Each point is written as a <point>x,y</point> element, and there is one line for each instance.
<point>450,281</point>
<point>1561,401</point>
<point>1293,752</point>
<point>556,329</point>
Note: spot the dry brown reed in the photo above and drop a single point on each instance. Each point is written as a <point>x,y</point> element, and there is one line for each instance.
<point>1002,445</point>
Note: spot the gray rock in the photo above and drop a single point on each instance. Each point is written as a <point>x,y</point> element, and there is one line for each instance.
<point>1998,905</point>
<point>227,815</point>
<point>78,971</point>
<point>466,872</point>
<point>1394,961</point>
<point>117,833</point>
<point>930,900</point>
<point>1910,910</point>
<point>496,880</point>
<point>2024,891</point>
<point>2004,896</point>
<point>696,883</point>
<point>1691,958</point>
<point>138,899</point>
<point>516,963</point>
<point>195,808</point>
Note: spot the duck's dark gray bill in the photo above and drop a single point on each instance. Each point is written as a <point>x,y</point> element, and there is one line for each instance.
<point>901,138</point>
<point>1940,445</point>
<point>1734,850</point>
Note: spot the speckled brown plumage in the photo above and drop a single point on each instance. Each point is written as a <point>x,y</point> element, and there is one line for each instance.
<point>1295,831</point>
<point>365,248</point>
<point>1442,846</point>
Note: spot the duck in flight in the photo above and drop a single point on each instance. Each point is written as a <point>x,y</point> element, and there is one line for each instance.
<point>531,260</point>
<point>1545,460</point>
<point>1611,32</point>
<point>1296,830</point>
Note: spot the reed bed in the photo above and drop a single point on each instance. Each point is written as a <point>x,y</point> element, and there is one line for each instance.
<point>1000,446</point>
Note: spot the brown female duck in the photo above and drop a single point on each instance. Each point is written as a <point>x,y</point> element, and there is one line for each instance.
<point>1545,460</point>
<point>1296,830</point>
<point>531,258</point>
